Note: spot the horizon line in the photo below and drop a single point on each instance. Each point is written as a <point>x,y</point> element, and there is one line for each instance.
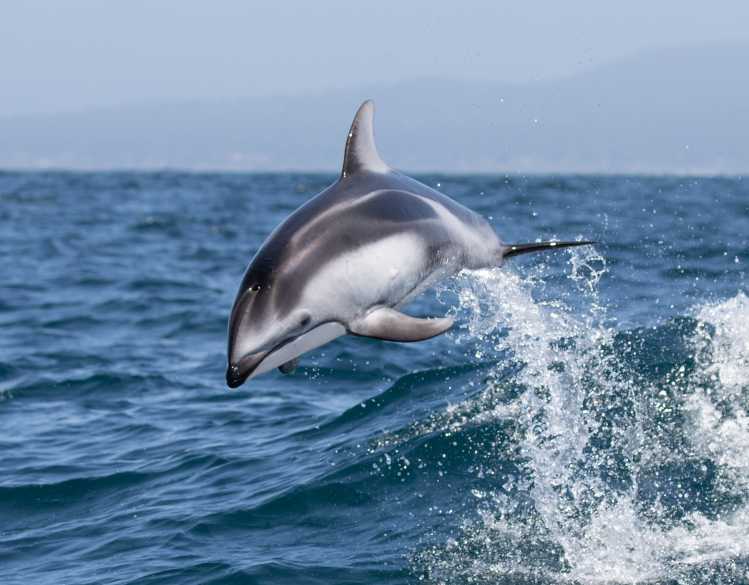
<point>686,174</point>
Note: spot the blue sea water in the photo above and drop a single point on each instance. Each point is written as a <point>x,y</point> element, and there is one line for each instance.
<point>587,421</point>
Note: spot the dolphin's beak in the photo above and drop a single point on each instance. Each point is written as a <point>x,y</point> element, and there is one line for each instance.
<point>258,363</point>
<point>237,373</point>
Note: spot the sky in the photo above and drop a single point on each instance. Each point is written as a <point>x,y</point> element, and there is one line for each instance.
<point>81,54</point>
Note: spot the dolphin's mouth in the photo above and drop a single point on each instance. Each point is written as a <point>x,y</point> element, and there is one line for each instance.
<point>264,361</point>
<point>237,374</point>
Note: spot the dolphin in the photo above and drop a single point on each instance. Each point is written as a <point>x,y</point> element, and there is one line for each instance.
<point>347,260</point>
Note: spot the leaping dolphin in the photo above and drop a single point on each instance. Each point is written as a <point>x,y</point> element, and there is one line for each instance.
<point>346,260</point>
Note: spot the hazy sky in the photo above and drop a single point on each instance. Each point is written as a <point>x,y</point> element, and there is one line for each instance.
<point>73,54</point>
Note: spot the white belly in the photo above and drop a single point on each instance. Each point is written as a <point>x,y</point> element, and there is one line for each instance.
<point>380,273</point>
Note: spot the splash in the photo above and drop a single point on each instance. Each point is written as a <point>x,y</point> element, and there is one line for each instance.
<point>720,402</point>
<point>628,476</point>
<point>722,342</point>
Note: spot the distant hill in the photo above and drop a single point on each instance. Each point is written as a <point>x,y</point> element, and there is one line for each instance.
<point>677,110</point>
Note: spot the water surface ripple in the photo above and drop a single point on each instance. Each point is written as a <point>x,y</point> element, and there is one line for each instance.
<point>586,422</point>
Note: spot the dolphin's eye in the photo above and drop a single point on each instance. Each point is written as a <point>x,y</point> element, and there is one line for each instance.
<point>305,320</point>
<point>255,287</point>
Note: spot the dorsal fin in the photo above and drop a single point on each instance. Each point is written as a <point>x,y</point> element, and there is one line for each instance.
<point>361,152</point>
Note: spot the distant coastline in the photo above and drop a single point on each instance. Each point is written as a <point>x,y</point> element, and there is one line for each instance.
<point>669,111</point>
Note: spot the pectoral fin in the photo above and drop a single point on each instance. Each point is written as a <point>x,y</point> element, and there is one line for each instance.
<point>289,367</point>
<point>391,325</point>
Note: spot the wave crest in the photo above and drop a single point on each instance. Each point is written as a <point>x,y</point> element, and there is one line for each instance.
<point>633,444</point>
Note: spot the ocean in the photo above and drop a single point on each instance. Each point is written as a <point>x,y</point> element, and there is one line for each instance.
<point>586,421</point>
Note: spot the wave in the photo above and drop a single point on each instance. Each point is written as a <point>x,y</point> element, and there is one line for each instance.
<point>280,573</point>
<point>101,383</point>
<point>35,497</point>
<point>631,446</point>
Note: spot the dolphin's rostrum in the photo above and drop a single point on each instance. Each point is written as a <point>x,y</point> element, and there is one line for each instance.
<point>346,260</point>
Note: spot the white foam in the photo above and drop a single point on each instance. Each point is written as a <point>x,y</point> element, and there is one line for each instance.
<point>571,377</point>
<point>719,404</point>
<point>722,341</point>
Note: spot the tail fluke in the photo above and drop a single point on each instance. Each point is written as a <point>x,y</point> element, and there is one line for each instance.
<point>516,249</point>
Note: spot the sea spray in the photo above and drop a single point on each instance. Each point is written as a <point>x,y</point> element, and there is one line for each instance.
<point>595,434</point>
